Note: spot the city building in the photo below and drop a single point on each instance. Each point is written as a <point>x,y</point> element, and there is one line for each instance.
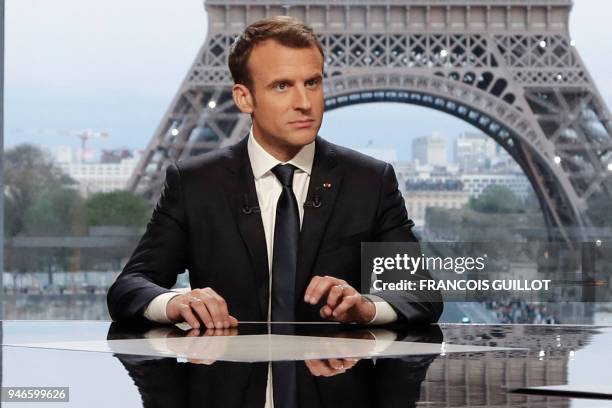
<point>421,195</point>
<point>431,150</point>
<point>475,183</point>
<point>111,173</point>
<point>476,152</point>
<point>414,172</point>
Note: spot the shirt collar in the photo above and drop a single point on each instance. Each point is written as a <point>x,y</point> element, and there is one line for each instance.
<point>262,161</point>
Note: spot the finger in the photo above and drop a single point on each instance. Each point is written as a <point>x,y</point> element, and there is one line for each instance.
<point>321,289</point>
<point>193,333</point>
<point>210,332</point>
<point>222,304</point>
<point>317,367</point>
<point>199,361</point>
<point>335,363</point>
<point>325,312</point>
<point>198,306</point>
<point>349,362</point>
<point>188,316</point>
<point>224,310</point>
<point>319,285</point>
<point>310,367</point>
<point>311,285</point>
<point>215,332</point>
<point>233,322</point>
<point>208,291</point>
<point>231,331</point>
<point>222,332</point>
<point>221,317</point>
<point>347,303</point>
<point>213,309</point>
<point>335,294</point>
<point>328,370</point>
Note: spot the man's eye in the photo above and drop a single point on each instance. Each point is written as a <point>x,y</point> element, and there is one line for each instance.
<point>281,86</point>
<point>312,82</point>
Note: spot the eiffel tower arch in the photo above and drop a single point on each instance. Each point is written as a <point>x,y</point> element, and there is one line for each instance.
<point>507,67</point>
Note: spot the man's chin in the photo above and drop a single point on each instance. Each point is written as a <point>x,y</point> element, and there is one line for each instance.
<point>301,137</point>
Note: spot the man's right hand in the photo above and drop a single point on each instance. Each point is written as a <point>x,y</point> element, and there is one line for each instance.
<point>200,306</point>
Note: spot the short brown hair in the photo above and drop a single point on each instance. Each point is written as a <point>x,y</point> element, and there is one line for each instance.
<point>285,30</point>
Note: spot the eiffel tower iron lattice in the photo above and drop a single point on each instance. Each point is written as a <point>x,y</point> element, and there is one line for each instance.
<point>507,67</point>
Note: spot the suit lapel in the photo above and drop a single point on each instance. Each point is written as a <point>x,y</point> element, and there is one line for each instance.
<point>323,188</point>
<point>242,196</point>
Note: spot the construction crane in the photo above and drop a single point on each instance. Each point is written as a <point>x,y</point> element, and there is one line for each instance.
<point>87,134</point>
<point>84,135</point>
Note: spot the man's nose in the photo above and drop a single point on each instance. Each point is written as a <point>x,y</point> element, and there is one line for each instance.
<point>301,99</point>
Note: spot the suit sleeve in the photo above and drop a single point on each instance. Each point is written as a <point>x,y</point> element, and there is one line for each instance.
<point>393,225</point>
<point>157,260</point>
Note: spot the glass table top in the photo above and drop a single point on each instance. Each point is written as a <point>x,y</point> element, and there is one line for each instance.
<point>432,373</point>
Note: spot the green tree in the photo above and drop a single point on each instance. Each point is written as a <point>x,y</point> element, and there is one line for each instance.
<point>29,174</point>
<point>117,208</point>
<point>496,199</point>
<point>56,212</point>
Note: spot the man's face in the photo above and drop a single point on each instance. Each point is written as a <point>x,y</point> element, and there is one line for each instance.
<point>287,107</point>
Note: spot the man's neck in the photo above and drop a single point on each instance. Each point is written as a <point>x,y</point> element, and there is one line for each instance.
<point>280,153</point>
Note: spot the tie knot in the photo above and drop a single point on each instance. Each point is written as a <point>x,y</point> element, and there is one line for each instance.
<point>284,174</point>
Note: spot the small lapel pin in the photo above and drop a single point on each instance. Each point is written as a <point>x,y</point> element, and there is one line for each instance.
<point>326,185</point>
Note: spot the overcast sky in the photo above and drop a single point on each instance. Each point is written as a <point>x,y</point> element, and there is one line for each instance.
<point>115,65</point>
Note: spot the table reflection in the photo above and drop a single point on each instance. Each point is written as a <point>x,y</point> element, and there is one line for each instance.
<point>318,382</point>
<point>552,355</point>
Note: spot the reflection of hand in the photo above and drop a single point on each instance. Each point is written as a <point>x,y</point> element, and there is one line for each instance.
<point>330,367</point>
<point>200,305</point>
<point>343,302</point>
<point>232,331</point>
<point>212,343</point>
<point>334,366</point>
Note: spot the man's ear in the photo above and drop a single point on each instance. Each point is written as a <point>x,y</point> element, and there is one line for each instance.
<point>243,98</point>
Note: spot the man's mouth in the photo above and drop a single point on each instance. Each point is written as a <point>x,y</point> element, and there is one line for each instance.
<point>302,123</point>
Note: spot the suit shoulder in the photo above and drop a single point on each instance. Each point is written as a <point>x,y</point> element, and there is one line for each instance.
<point>205,161</point>
<point>356,160</point>
<point>209,169</point>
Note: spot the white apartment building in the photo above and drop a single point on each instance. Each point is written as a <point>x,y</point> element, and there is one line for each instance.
<point>418,201</point>
<point>98,177</point>
<point>475,152</point>
<point>430,150</point>
<point>414,173</point>
<point>475,183</point>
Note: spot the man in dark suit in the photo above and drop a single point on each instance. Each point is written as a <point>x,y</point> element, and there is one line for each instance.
<point>270,228</point>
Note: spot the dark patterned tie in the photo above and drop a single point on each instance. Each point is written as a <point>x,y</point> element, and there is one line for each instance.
<point>286,237</point>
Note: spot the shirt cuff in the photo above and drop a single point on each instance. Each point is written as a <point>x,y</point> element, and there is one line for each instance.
<point>384,312</point>
<point>156,309</point>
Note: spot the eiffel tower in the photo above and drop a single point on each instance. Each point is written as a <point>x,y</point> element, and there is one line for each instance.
<point>507,67</point>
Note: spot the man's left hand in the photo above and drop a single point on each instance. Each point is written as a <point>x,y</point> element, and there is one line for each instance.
<point>344,303</point>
